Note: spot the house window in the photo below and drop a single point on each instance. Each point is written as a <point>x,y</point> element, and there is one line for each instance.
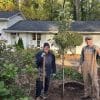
<point>38,39</point>
<point>18,34</point>
<point>13,33</point>
<point>38,36</point>
<point>34,36</point>
<point>13,38</point>
<point>38,43</point>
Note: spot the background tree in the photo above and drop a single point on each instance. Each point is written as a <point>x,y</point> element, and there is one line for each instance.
<point>52,9</point>
<point>7,5</point>
<point>90,10</point>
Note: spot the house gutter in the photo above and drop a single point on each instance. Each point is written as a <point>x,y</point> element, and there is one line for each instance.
<point>22,31</point>
<point>18,31</point>
<point>86,32</point>
<point>4,19</point>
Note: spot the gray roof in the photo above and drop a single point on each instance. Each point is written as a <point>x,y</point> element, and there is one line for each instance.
<point>86,26</point>
<point>34,26</point>
<point>51,26</point>
<point>7,14</point>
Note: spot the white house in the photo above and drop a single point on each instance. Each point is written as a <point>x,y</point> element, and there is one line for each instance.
<point>8,19</point>
<point>34,33</point>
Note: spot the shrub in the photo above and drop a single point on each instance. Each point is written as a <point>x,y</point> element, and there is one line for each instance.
<point>69,74</point>
<point>2,47</point>
<point>20,44</point>
<point>3,90</point>
<point>17,73</point>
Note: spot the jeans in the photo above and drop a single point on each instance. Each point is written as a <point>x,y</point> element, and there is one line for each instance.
<point>39,86</point>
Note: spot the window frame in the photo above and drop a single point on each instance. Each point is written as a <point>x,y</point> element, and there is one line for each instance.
<point>34,36</point>
<point>38,36</point>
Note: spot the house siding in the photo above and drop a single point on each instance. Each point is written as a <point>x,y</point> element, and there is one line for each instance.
<point>28,41</point>
<point>3,25</point>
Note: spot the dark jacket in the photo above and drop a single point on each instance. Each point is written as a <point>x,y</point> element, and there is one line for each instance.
<point>50,65</point>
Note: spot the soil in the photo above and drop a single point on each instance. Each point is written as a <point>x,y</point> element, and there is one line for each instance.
<point>73,91</point>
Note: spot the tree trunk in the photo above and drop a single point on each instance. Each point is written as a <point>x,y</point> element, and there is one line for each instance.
<point>19,4</point>
<point>64,4</point>
<point>77,8</point>
<point>51,10</point>
<point>63,81</point>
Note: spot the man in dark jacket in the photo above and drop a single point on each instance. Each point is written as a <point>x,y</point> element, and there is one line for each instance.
<point>50,69</point>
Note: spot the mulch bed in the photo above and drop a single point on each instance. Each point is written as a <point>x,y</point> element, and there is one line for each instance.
<point>73,91</point>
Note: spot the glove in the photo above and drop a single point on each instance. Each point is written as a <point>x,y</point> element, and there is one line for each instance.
<point>53,75</point>
<point>80,69</point>
<point>43,54</point>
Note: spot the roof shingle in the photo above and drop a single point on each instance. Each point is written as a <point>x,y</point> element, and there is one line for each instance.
<point>43,26</point>
<point>7,14</point>
<point>86,26</point>
<point>34,26</point>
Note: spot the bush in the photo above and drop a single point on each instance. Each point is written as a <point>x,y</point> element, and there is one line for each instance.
<point>17,73</point>
<point>3,90</point>
<point>69,74</point>
<point>2,47</point>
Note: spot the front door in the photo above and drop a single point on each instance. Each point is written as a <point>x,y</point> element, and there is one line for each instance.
<point>36,38</point>
<point>13,38</point>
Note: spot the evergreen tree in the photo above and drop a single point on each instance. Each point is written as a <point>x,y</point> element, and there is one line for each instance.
<point>20,43</point>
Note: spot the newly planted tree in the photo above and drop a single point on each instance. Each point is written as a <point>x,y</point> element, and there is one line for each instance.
<point>66,40</point>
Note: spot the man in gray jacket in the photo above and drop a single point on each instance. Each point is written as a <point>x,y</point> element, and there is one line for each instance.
<point>88,66</point>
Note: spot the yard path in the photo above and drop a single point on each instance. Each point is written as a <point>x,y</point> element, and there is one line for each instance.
<point>74,63</point>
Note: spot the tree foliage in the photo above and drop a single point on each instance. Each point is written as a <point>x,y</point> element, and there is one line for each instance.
<point>68,40</point>
<point>7,5</point>
<point>53,9</point>
<point>90,9</point>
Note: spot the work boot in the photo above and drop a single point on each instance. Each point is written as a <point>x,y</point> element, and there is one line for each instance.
<point>38,98</point>
<point>94,98</point>
<point>85,97</point>
<point>45,96</point>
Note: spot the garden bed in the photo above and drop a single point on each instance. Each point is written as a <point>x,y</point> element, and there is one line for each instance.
<point>73,91</point>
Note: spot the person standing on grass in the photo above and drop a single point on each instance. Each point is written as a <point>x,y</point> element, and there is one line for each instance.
<point>50,69</point>
<point>88,66</point>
